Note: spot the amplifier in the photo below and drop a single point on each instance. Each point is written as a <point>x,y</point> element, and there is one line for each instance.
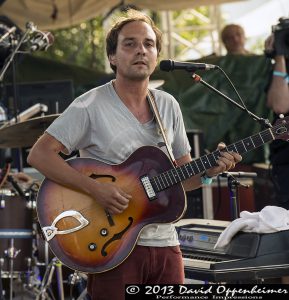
<point>249,255</point>
<point>200,234</point>
<point>194,204</point>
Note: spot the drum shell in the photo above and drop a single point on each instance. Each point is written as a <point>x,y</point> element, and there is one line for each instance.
<point>15,232</point>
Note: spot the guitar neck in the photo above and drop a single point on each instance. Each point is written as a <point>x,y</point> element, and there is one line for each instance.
<point>205,162</point>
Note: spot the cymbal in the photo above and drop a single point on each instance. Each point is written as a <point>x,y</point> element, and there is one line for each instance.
<point>154,84</point>
<point>24,134</point>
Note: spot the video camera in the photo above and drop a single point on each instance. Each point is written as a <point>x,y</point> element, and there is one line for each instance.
<point>281,37</point>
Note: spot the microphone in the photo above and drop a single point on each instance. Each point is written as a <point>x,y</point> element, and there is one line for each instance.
<point>42,41</point>
<point>170,65</point>
<point>239,174</point>
<point>31,27</point>
<point>28,113</point>
<point>9,32</point>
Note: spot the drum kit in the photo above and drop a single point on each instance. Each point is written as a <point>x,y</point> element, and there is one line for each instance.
<point>26,263</point>
<point>25,259</point>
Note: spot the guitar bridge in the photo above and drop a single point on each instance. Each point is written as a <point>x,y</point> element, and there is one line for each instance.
<point>148,187</point>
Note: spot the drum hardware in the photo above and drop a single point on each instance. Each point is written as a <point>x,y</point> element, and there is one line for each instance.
<point>55,264</point>
<point>22,134</point>
<point>16,186</point>
<point>77,278</point>
<point>26,133</point>
<point>73,278</point>
<point>15,229</point>
<point>1,262</point>
<point>46,254</point>
<point>2,203</point>
<point>11,253</point>
<point>6,192</point>
<point>31,204</point>
<point>30,278</point>
<point>36,271</point>
<point>29,271</point>
<point>83,295</point>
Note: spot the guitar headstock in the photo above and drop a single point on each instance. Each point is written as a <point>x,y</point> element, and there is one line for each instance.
<point>280,129</point>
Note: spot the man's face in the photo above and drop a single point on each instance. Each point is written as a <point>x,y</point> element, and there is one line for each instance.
<point>136,53</point>
<point>234,40</point>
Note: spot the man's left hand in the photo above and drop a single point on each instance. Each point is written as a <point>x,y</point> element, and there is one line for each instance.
<point>226,161</point>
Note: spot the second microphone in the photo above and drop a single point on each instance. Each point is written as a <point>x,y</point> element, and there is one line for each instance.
<point>171,65</point>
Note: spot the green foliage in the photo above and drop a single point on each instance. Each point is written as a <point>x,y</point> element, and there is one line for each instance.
<point>84,44</point>
<point>188,24</point>
<point>81,45</point>
<point>258,46</point>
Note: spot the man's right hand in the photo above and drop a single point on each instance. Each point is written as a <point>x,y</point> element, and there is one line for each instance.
<point>110,196</point>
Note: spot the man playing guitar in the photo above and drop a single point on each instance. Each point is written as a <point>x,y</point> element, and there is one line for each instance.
<point>109,123</point>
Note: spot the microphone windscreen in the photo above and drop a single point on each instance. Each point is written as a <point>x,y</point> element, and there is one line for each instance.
<point>166,65</point>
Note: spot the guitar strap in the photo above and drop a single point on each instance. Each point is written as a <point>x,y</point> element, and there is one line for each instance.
<point>155,110</point>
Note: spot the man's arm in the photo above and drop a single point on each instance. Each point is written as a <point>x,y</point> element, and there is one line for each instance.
<point>278,93</point>
<point>44,156</point>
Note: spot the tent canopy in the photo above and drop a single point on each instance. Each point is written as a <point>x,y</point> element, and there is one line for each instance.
<point>46,14</point>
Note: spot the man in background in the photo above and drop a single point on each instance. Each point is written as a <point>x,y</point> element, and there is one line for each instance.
<point>278,101</point>
<point>233,38</point>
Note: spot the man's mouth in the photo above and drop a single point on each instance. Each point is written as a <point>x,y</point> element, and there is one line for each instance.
<point>140,63</point>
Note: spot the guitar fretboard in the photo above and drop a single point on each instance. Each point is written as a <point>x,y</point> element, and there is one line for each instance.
<point>199,165</point>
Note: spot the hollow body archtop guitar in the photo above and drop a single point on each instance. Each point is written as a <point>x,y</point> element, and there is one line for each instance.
<point>87,238</point>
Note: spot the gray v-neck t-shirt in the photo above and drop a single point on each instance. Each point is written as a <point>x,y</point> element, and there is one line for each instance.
<point>100,126</point>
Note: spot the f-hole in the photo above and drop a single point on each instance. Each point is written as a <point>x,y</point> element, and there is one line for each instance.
<point>113,179</point>
<point>95,176</point>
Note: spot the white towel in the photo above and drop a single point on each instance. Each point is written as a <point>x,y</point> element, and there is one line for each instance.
<point>269,219</point>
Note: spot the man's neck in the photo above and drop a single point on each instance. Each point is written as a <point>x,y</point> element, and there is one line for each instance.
<point>131,92</point>
<point>238,52</point>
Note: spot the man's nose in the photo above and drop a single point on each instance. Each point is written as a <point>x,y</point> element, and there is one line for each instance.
<point>141,48</point>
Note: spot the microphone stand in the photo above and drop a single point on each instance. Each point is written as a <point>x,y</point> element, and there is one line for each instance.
<point>10,31</point>
<point>233,183</point>
<point>264,122</point>
<point>10,60</point>
<point>30,28</point>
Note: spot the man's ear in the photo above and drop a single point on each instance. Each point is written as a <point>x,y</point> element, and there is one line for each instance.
<point>112,59</point>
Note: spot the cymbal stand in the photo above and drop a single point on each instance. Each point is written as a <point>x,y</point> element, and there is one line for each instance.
<point>1,288</point>
<point>55,264</point>
<point>11,254</point>
<point>78,278</point>
<point>10,60</point>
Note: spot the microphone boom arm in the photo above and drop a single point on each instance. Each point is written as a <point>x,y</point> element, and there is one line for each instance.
<point>4,69</point>
<point>262,121</point>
